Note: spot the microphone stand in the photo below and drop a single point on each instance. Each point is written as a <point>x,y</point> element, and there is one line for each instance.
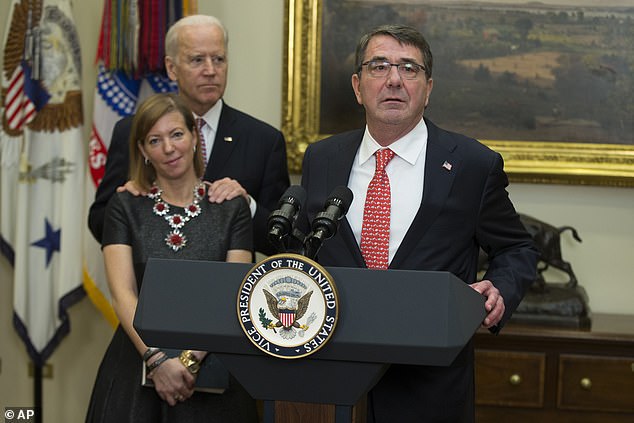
<point>312,244</point>
<point>296,244</point>
<point>288,243</point>
<point>276,238</point>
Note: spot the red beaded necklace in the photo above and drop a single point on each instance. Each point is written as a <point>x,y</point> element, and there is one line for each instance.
<point>175,238</point>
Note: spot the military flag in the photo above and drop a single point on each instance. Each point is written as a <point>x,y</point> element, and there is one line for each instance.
<point>130,68</point>
<point>115,97</point>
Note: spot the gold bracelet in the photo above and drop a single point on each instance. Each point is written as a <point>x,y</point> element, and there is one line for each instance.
<point>190,361</point>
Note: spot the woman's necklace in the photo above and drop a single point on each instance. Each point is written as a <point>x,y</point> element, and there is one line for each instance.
<point>175,239</point>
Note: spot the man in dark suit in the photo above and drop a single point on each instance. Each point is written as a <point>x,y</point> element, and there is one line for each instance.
<point>245,156</point>
<point>447,199</point>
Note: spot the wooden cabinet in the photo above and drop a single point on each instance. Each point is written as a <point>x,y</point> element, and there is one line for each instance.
<point>545,374</point>
<point>514,379</point>
<point>596,383</point>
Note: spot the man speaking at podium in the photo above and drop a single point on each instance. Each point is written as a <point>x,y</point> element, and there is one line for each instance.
<point>424,199</point>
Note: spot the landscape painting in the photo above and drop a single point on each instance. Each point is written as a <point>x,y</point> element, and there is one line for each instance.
<point>548,84</point>
<point>549,70</point>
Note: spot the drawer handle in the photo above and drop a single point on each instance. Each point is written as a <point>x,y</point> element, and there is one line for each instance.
<point>586,383</point>
<point>515,379</point>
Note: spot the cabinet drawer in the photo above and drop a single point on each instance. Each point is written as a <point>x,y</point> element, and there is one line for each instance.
<point>596,383</point>
<point>509,378</point>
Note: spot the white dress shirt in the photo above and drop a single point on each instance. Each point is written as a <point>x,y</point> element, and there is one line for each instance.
<point>211,118</point>
<point>406,173</point>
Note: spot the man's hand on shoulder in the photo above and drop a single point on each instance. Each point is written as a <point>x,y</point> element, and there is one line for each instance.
<point>132,188</point>
<point>494,304</point>
<point>225,189</point>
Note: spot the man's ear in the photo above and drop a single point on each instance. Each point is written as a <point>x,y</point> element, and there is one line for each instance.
<point>170,67</point>
<point>355,87</point>
<point>430,85</point>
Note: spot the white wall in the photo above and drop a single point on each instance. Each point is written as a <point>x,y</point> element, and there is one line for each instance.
<point>604,217</point>
<point>604,220</point>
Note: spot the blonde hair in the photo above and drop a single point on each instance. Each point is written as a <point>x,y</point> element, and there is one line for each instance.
<point>149,112</point>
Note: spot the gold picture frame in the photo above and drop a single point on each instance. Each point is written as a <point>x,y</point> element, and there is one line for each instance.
<point>525,161</point>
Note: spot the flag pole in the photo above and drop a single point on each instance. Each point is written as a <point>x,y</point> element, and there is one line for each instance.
<point>37,392</point>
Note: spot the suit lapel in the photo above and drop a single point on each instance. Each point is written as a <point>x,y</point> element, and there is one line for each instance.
<point>339,167</point>
<point>441,165</point>
<point>224,143</point>
<point>340,163</point>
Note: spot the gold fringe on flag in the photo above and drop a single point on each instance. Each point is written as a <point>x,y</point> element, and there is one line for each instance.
<point>61,117</point>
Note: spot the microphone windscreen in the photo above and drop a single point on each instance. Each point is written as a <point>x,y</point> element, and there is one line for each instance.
<point>343,196</point>
<point>297,193</point>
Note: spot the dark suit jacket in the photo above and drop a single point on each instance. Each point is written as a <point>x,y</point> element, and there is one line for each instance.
<point>256,158</point>
<point>463,209</point>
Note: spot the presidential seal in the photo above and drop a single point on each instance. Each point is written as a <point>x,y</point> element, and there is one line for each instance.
<point>288,306</point>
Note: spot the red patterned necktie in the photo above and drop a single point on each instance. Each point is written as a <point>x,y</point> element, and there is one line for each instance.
<point>200,122</point>
<point>375,232</point>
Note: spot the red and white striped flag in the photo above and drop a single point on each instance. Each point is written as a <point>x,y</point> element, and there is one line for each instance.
<point>24,98</point>
<point>115,98</point>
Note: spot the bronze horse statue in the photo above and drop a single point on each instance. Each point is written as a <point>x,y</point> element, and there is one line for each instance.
<point>548,241</point>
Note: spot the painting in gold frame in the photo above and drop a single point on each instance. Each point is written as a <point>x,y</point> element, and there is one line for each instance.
<point>534,161</point>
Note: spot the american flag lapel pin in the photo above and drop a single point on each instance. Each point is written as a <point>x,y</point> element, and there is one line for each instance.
<point>447,166</point>
<point>228,139</point>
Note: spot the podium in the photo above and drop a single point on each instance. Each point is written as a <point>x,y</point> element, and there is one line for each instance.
<point>385,317</point>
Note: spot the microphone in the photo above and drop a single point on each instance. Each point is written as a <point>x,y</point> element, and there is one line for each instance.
<point>325,224</point>
<point>281,221</point>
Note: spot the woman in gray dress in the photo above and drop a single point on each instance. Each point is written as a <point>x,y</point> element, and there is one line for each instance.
<point>173,220</point>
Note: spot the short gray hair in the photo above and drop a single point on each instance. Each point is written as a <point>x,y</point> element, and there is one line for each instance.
<point>403,34</point>
<point>171,38</point>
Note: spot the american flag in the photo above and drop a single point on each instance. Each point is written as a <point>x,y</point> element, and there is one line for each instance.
<point>25,97</point>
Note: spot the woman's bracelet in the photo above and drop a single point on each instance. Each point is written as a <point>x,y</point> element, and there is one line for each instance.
<point>157,363</point>
<point>150,352</point>
<point>190,361</point>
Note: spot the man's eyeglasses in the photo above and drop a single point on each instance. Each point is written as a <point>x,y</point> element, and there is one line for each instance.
<point>380,69</point>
